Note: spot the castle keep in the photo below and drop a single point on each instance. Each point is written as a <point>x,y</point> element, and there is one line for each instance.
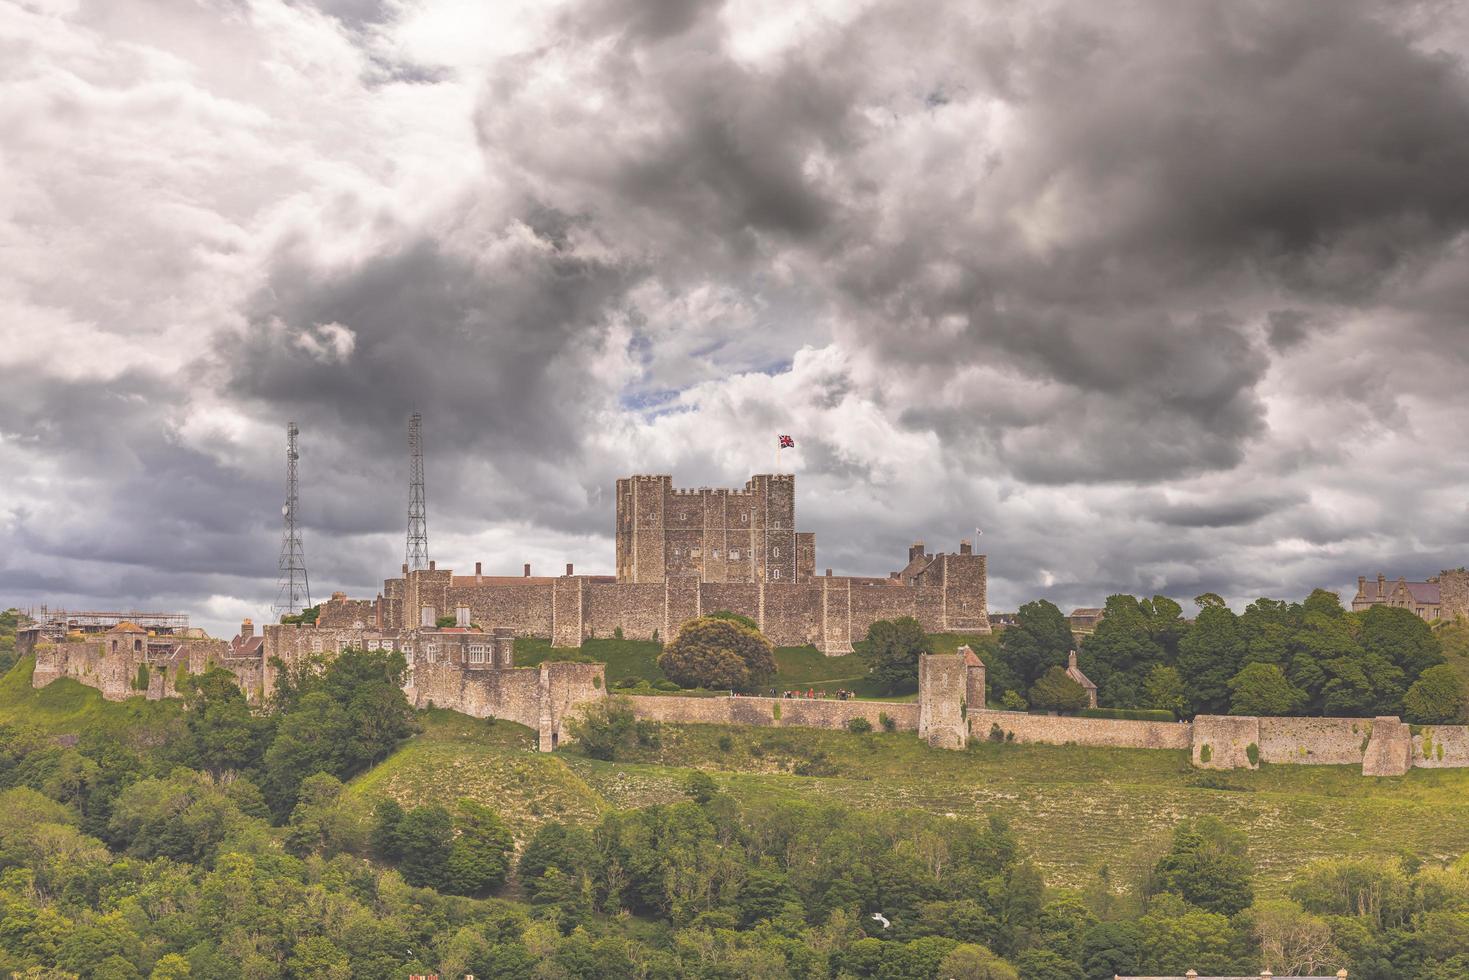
<point>681,554</point>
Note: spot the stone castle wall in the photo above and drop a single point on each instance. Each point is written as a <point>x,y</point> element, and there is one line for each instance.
<point>1063,730</point>
<point>1453,587</point>
<point>115,673</point>
<point>827,612</point>
<point>774,712</point>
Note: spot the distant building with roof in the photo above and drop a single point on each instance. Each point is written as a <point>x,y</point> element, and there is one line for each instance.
<point>1074,672</point>
<point>1441,596</point>
<point>1085,619</point>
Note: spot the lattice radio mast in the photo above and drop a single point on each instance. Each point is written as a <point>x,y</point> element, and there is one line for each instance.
<point>295,589</point>
<point>416,554</point>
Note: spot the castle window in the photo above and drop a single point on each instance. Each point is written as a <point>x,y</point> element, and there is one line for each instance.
<point>695,552</point>
<point>775,552</point>
<point>675,552</point>
<point>716,552</point>
<point>775,573</point>
<point>744,518</point>
<point>316,644</point>
<point>408,677</point>
<point>476,653</point>
<point>431,652</point>
<point>734,554</point>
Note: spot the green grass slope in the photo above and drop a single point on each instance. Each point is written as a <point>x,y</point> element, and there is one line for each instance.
<point>1074,809</point>
<point>458,757</point>
<point>68,707</point>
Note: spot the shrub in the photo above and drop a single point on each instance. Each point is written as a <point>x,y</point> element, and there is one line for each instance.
<point>665,686</point>
<point>892,649</point>
<point>617,632</point>
<point>1012,701</point>
<point>997,734</point>
<point>719,654</point>
<point>140,683</point>
<point>1205,753</point>
<point>1252,752</point>
<point>1128,714</point>
<point>648,733</point>
<point>888,722</point>
<point>603,728</point>
<point>725,743</point>
<point>859,726</point>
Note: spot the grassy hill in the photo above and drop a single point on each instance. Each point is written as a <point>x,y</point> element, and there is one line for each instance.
<point>1074,809</point>
<point>68,707</point>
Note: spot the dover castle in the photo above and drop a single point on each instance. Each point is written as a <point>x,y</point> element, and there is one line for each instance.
<point>682,553</point>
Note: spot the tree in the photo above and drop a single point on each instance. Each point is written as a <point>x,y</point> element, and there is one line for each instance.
<point>1039,640</point>
<point>1119,655</point>
<point>224,735</point>
<point>1293,942</point>
<point>1055,691</point>
<point>1209,656</point>
<point>319,823</point>
<point>1111,948</point>
<point>480,855</point>
<point>718,653</point>
<point>386,818</point>
<point>425,835</point>
<point>1163,689</point>
<point>1436,697</point>
<point>1262,689</point>
<point>1400,637</point>
<point>1207,866</point>
<point>973,962</point>
<point>892,649</point>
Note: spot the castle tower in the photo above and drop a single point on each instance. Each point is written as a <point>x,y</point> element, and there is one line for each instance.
<point>711,534</point>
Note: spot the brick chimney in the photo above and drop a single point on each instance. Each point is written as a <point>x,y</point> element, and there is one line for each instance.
<point>828,573</point>
<point>461,616</point>
<point>527,569</point>
<point>1361,585</point>
<point>569,571</point>
<point>405,568</point>
<point>432,565</point>
<point>965,548</point>
<point>478,572</point>
<point>247,627</point>
<point>916,550</point>
<point>1381,585</point>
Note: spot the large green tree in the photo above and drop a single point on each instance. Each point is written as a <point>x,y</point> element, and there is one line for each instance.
<point>1207,865</point>
<point>892,649</point>
<point>1209,655</point>
<point>1038,641</point>
<point>1437,697</point>
<point>719,653</point>
<point>1121,652</point>
<point>1263,689</point>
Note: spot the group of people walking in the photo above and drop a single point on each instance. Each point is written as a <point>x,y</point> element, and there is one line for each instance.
<point>812,694</point>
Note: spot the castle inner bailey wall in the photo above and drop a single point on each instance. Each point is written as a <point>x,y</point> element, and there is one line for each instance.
<point>774,712</point>
<point>1441,747</point>
<point>1313,741</point>
<point>1062,730</point>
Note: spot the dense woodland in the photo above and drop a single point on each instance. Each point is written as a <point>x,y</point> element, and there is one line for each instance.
<point>1276,658</point>
<point>230,850</point>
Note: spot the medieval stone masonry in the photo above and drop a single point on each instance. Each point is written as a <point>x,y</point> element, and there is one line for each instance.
<point>683,553</point>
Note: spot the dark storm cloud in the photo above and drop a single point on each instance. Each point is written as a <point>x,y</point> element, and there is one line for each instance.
<point>1168,297</point>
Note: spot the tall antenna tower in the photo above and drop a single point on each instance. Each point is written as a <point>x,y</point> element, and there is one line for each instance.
<point>416,554</point>
<point>295,589</point>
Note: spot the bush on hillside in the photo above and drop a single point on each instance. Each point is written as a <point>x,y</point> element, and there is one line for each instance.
<point>719,653</point>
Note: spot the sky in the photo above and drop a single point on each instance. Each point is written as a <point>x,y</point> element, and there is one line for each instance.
<point>1165,297</point>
